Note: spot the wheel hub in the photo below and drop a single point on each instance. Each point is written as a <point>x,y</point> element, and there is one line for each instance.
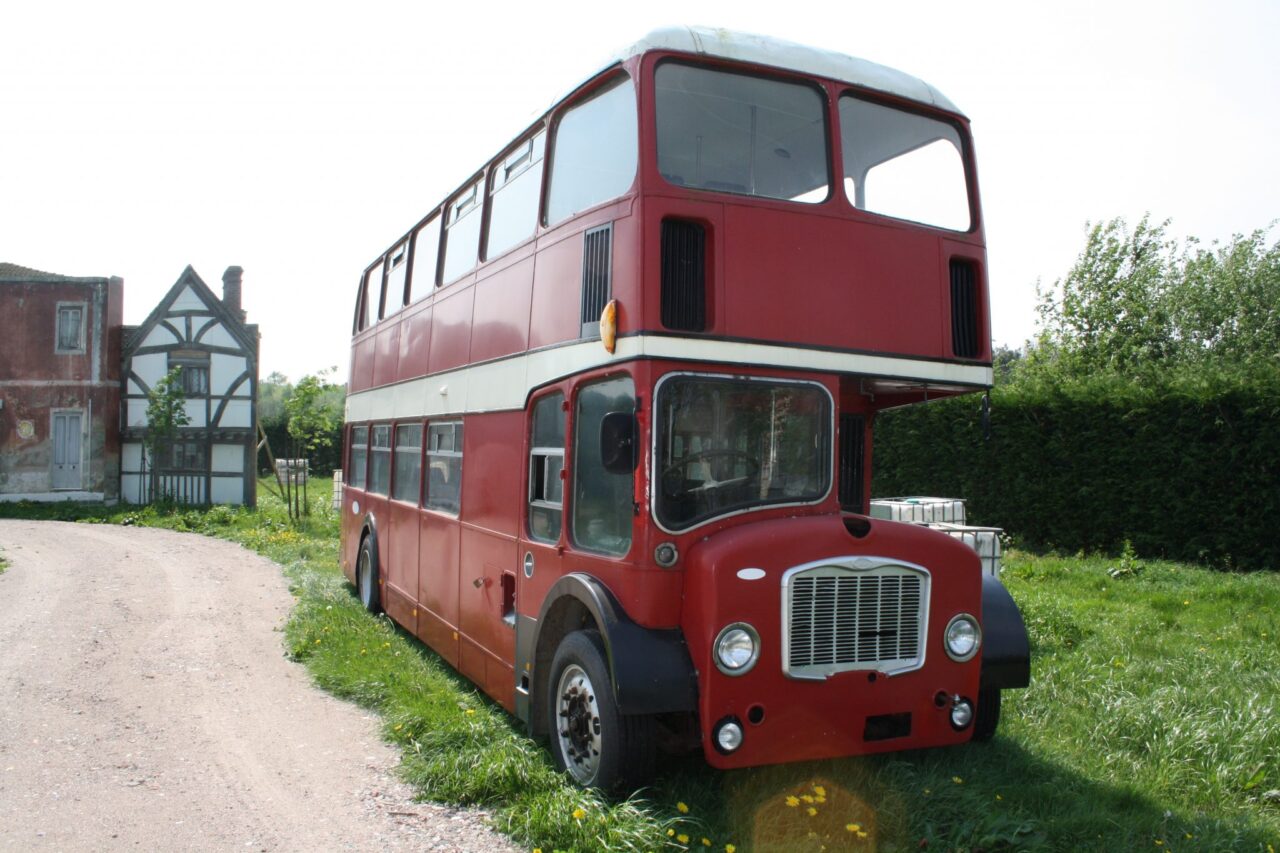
<point>579,723</point>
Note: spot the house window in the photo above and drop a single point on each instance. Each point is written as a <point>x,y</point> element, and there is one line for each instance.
<point>70,331</point>
<point>187,456</point>
<point>195,380</point>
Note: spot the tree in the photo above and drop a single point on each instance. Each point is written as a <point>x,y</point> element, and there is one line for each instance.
<point>166,413</point>
<point>311,427</point>
<point>1136,301</point>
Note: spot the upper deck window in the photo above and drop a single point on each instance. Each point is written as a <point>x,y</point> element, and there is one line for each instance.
<point>515,188</point>
<point>397,271</point>
<point>741,134</point>
<point>426,247</point>
<point>462,233</point>
<point>594,154</point>
<point>903,165</point>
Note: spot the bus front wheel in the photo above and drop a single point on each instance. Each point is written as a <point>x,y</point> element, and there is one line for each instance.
<point>367,577</point>
<point>597,745</point>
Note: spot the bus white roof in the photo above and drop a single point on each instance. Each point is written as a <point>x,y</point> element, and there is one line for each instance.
<point>763,50</point>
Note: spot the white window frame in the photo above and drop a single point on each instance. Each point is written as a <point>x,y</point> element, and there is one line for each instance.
<point>57,327</point>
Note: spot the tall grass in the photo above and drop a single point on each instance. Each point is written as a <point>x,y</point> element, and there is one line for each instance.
<point>1152,722</point>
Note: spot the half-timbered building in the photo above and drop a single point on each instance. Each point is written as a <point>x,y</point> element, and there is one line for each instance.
<point>212,458</point>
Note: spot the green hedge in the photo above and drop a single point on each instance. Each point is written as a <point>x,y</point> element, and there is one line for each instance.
<point>1187,468</point>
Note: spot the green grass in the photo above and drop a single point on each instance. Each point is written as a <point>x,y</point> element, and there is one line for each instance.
<point>1152,722</point>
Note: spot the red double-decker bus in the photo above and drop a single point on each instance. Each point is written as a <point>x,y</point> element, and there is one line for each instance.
<point>611,408</point>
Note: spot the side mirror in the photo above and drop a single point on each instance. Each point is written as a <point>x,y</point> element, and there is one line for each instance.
<point>618,443</point>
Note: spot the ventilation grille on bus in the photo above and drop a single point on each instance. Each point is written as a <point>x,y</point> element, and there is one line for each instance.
<point>852,435</point>
<point>840,619</point>
<point>964,309</point>
<point>597,277</point>
<point>684,276</point>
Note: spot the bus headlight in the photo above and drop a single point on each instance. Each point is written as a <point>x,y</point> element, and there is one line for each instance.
<point>737,648</point>
<point>962,637</point>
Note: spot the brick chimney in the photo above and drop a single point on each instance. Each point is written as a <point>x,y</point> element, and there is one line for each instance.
<point>231,291</point>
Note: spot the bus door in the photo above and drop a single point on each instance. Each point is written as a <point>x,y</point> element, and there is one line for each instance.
<point>542,533</point>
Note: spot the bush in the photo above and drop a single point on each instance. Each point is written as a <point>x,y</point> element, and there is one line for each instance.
<point>1183,466</point>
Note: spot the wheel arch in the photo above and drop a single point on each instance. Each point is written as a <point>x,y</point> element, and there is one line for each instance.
<point>650,669</point>
<point>1006,648</point>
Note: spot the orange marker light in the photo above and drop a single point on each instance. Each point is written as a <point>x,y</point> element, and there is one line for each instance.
<point>609,326</point>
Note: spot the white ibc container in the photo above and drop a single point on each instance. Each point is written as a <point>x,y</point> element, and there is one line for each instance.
<point>919,510</point>
<point>984,540</point>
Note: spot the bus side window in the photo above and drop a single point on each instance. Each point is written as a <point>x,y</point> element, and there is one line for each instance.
<point>515,187</point>
<point>444,466</point>
<point>462,233</point>
<point>359,455</point>
<point>372,296</point>
<point>408,474</point>
<point>602,501</point>
<point>546,463</point>
<point>426,250</point>
<point>594,155</point>
<point>397,271</point>
<point>380,460</point>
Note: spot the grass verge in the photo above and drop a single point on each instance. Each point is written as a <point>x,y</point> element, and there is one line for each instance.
<point>1153,721</point>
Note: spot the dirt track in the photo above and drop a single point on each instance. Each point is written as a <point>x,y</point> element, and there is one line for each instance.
<point>145,704</point>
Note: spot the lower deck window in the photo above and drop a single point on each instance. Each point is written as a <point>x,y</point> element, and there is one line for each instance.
<point>444,466</point>
<point>380,460</point>
<point>359,456</point>
<point>603,502</point>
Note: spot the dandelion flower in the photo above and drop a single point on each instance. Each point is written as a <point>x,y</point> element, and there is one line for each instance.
<point>957,780</point>
<point>729,848</point>
<point>399,726</point>
<point>819,790</point>
<point>671,833</point>
<point>793,801</point>
<point>706,842</point>
<point>998,797</point>
<point>806,798</point>
<point>812,811</point>
<point>853,827</point>
<point>579,814</point>
<point>682,838</point>
<point>682,808</point>
<point>471,710</point>
<point>927,792</point>
<point>861,834</point>
<point>819,799</point>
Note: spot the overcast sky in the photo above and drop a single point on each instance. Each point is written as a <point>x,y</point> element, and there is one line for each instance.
<point>298,140</point>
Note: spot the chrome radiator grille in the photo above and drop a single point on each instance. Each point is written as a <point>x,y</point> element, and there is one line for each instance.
<point>854,614</point>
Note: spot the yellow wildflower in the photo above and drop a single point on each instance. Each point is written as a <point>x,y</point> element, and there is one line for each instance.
<point>862,834</point>
<point>853,827</point>
<point>998,797</point>
<point>806,798</point>
<point>682,838</point>
<point>793,801</point>
<point>927,792</point>
<point>579,814</point>
<point>812,811</point>
<point>729,848</point>
<point>819,799</point>
<point>706,842</point>
<point>1159,843</point>
<point>1186,602</point>
<point>471,710</point>
<point>957,780</point>
<point>399,726</point>
<point>682,808</point>
<point>819,790</point>
<point>671,833</point>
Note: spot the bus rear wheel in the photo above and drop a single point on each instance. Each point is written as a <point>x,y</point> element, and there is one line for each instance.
<point>591,740</point>
<point>367,577</point>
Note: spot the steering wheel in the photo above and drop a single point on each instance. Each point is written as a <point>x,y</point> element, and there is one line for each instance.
<point>673,474</point>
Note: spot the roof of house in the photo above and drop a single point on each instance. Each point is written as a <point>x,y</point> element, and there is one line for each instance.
<point>25,275</point>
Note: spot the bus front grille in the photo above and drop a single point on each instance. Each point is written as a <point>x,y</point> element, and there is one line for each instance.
<point>858,614</point>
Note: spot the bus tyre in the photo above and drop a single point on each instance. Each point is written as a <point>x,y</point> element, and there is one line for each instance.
<point>987,715</point>
<point>367,577</point>
<point>595,744</point>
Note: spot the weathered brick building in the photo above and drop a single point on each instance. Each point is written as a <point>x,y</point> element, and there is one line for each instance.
<point>60,339</point>
<point>74,384</point>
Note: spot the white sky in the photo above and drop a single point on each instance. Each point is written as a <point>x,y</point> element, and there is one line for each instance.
<point>298,140</point>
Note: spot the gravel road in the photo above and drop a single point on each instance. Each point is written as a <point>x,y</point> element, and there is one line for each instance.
<point>146,704</point>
